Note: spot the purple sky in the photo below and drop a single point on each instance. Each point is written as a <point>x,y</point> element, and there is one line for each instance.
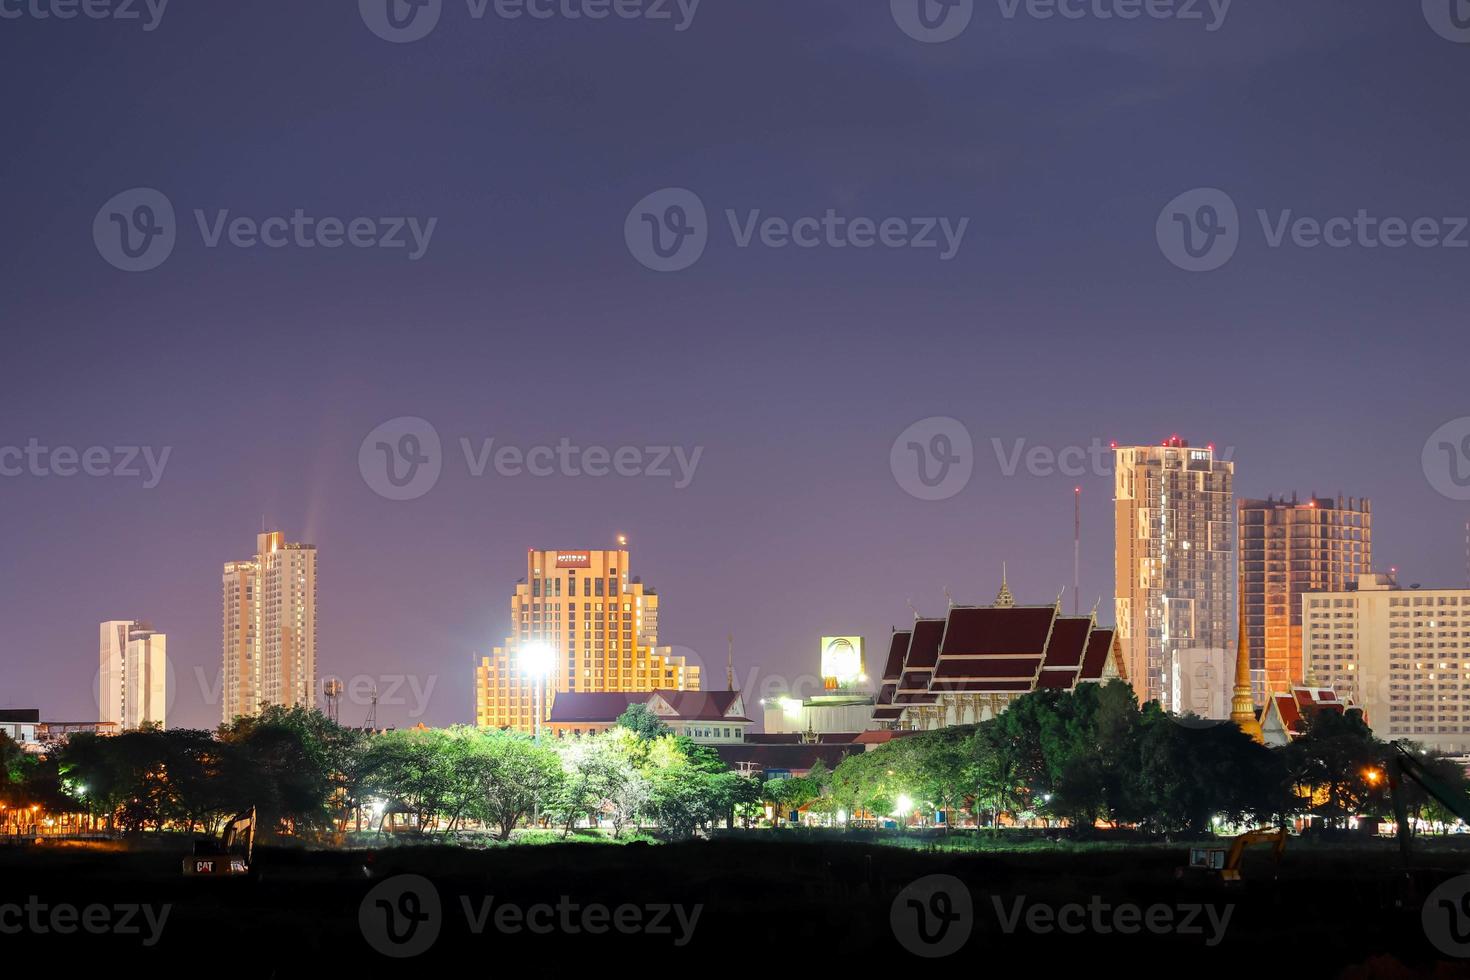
<point>528,321</point>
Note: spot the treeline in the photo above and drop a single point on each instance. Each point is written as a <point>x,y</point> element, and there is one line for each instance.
<point>1093,756</point>
<point>1073,759</point>
<point>309,777</point>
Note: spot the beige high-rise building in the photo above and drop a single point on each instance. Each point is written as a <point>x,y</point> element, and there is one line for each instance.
<point>1401,655</point>
<point>1175,571</point>
<point>1287,549</point>
<point>270,628</point>
<point>132,677</point>
<point>583,619</point>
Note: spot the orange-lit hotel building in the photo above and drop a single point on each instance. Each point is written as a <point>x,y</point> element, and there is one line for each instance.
<point>1289,548</point>
<point>590,624</point>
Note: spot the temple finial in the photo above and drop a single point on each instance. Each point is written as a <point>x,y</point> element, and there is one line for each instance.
<point>1003,598</point>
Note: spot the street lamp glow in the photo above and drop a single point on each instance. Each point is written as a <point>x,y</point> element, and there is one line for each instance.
<point>905,804</point>
<point>537,659</point>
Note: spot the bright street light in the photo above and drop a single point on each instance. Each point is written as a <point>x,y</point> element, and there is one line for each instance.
<point>538,660</point>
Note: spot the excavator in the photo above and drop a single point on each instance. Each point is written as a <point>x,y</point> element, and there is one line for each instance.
<point>231,855</point>
<point>1227,861</point>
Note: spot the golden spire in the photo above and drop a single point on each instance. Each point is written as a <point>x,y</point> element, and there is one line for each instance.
<point>1242,705</point>
<point>1003,598</point>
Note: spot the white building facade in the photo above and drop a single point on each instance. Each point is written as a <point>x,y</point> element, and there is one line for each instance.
<point>132,678</point>
<point>1402,655</point>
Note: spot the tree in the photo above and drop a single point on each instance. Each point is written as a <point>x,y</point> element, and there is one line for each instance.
<point>1335,763</point>
<point>689,787</point>
<point>601,780</point>
<point>414,772</point>
<point>641,720</point>
<point>514,775</point>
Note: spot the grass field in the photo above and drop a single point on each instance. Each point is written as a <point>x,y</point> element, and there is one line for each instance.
<point>793,900</point>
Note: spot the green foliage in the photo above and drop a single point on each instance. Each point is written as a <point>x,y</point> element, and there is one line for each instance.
<point>1074,757</point>
<point>641,721</point>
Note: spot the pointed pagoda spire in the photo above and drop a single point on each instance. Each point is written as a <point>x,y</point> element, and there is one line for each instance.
<point>1003,598</point>
<point>1242,705</point>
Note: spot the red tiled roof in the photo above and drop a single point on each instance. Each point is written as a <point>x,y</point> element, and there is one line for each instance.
<point>987,649</point>
<point>702,705</point>
<point>1099,644</point>
<point>981,631</point>
<point>880,736</point>
<point>897,647</point>
<point>1068,641</point>
<point>924,648</point>
<point>1287,706</point>
<point>918,663</point>
<point>606,707</point>
<point>571,707</point>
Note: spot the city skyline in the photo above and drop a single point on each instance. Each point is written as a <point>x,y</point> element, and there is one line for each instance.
<point>411,686</point>
<point>528,322</point>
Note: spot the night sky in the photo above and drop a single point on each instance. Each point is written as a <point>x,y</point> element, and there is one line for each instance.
<point>1058,322</point>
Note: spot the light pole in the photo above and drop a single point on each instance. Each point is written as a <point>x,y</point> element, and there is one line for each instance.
<point>538,660</point>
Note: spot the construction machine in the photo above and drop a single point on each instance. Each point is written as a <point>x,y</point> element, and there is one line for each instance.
<point>1227,860</point>
<point>228,856</point>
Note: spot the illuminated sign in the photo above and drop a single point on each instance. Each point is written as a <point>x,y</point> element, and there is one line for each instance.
<point>573,559</point>
<point>842,662</point>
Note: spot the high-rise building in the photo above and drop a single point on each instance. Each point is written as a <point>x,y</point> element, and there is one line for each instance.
<point>132,679</point>
<point>270,628</point>
<point>1401,655</point>
<point>579,622</point>
<point>1175,516</point>
<point>1289,548</point>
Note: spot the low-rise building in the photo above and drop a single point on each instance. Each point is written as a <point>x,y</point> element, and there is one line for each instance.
<point>821,714</point>
<point>709,717</point>
<point>21,725</point>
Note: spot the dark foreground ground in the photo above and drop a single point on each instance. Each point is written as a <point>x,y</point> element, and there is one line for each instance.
<point>758,907</point>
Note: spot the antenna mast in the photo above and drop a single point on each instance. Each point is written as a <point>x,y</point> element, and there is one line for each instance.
<point>1076,547</point>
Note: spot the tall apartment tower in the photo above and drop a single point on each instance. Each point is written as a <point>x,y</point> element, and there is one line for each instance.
<point>132,678</point>
<point>1287,549</point>
<point>270,628</point>
<point>580,622</point>
<point>1175,514</point>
